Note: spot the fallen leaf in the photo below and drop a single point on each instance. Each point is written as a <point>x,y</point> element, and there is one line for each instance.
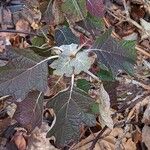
<point>19,140</point>
<point>74,10</point>
<point>29,111</point>
<point>108,50</point>
<point>96,7</point>
<point>71,61</point>
<point>64,36</point>
<point>55,85</point>
<point>38,140</point>
<point>145,136</point>
<point>146,27</point>
<point>146,116</point>
<point>22,72</point>
<point>104,108</point>
<point>72,111</point>
<point>23,26</point>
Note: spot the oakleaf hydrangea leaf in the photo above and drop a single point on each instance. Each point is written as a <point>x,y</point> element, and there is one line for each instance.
<point>64,36</point>
<point>112,54</point>
<point>71,61</point>
<point>29,111</point>
<point>24,71</point>
<point>74,10</point>
<point>95,7</point>
<point>71,113</point>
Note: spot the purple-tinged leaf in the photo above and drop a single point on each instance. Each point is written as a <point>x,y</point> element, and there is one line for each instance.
<point>24,71</point>
<point>113,55</point>
<point>95,7</point>
<point>29,111</point>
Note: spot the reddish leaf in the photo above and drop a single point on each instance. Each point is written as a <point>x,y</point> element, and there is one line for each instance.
<point>29,111</point>
<point>95,8</point>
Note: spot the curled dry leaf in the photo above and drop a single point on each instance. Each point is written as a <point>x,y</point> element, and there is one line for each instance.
<point>146,116</point>
<point>104,108</point>
<point>19,140</point>
<point>38,140</point>
<point>107,141</point>
<point>145,136</point>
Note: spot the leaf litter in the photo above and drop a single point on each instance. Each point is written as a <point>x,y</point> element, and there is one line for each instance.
<point>63,18</point>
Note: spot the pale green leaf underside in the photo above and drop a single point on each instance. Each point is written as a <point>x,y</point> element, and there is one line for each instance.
<point>67,65</point>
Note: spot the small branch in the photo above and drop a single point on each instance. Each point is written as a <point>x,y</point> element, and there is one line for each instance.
<point>97,138</point>
<point>72,84</point>
<point>135,82</point>
<point>142,51</point>
<point>93,76</point>
<point>16,31</point>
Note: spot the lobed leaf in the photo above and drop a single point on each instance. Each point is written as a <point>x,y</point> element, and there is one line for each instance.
<point>29,112</point>
<point>71,61</point>
<point>112,54</point>
<point>64,36</point>
<point>24,71</point>
<point>95,8</point>
<point>74,10</point>
<point>71,113</point>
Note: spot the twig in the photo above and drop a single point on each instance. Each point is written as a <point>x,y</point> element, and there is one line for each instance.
<point>93,76</point>
<point>97,138</point>
<point>142,51</point>
<point>16,31</point>
<point>146,87</point>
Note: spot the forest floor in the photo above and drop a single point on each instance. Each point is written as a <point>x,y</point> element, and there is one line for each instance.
<point>129,96</point>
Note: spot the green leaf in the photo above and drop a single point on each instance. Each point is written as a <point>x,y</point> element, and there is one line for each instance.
<point>64,36</point>
<point>29,111</point>
<point>71,61</point>
<point>105,75</point>
<point>38,41</point>
<point>112,54</point>
<point>131,51</point>
<point>92,24</point>
<point>44,52</point>
<point>95,108</point>
<point>71,113</point>
<point>83,85</point>
<point>24,71</point>
<point>75,10</point>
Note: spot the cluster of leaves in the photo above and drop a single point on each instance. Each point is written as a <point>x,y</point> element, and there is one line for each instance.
<point>25,75</point>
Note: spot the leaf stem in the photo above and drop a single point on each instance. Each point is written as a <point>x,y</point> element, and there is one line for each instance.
<point>16,31</point>
<point>72,83</point>
<point>93,76</point>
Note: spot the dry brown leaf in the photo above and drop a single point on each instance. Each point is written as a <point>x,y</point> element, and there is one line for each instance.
<point>4,123</point>
<point>145,136</point>
<point>107,142</point>
<point>19,140</point>
<point>24,26</point>
<point>55,85</point>
<point>6,18</point>
<point>129,145</point>
<point>137,136</point>
<point>146,116</point>
<point>38,140</point>
<point>59,17</point>
<point>104,108</point>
